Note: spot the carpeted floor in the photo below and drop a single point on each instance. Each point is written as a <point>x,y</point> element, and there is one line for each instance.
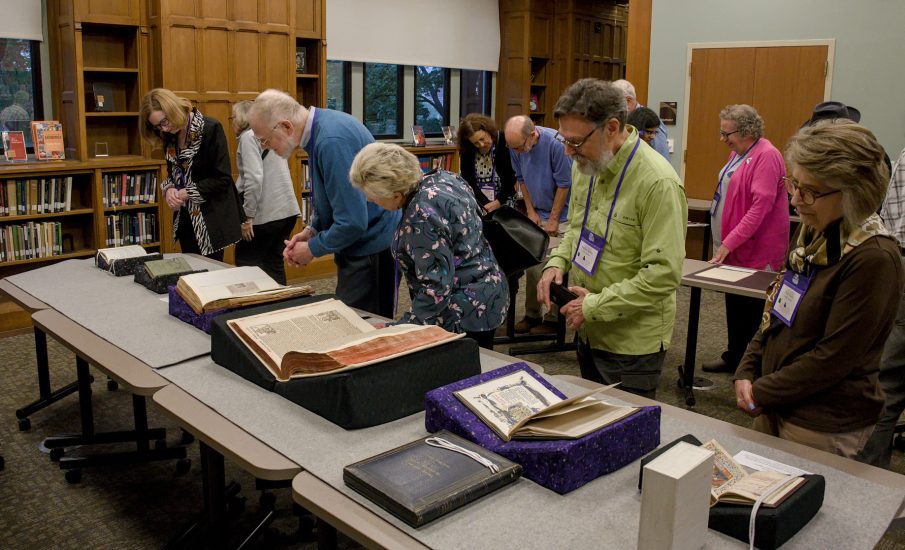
<point>144,506</point>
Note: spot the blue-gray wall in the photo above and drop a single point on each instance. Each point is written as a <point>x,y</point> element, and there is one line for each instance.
<point>868,71</point>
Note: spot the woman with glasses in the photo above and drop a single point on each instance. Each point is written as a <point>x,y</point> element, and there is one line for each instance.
<point>810,373</point>
<point>268,200</point>
<point>453,278</point>
<point>484,161</point>
<point>199,187</point>
<point>749,220</point>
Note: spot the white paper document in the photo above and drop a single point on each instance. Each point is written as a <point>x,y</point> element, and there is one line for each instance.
<point>726,273</point>
<point>762,463</point>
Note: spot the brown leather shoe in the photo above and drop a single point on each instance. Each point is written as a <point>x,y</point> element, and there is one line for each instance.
<point>526,324</point>
<point>545,328</point>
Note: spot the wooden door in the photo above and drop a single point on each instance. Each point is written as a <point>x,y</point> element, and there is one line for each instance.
<point>782,82</point>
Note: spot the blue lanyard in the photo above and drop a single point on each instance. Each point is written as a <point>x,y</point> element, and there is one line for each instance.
<point>609,216</point>
<point>717,195</point>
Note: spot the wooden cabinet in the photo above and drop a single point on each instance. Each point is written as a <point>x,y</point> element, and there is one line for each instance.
<point>548,45</point>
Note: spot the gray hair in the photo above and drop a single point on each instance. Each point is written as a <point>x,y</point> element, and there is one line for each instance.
<point>594,100</point>
<point>384,169</point>
<point>272,106</point>
<point>627,88</point>
<point>747,121</point>
<point>240,114</point>
<point>844,156</point>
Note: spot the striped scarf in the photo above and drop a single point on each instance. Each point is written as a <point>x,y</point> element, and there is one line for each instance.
<point>181,177</point>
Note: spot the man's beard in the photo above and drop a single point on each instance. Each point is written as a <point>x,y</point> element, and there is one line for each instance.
<point>590,167</point>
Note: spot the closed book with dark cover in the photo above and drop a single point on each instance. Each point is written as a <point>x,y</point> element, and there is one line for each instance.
<point>419,482</point>
<point>160,283</point>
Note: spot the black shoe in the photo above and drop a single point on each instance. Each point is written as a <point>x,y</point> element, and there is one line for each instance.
<point>716,366</point>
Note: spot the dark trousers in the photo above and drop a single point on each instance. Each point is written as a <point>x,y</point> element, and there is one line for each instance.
<point>367,282</point>
<point>638,374</point>
<point>265,250</point>
<point>186,236</point>
<point>743,316</point>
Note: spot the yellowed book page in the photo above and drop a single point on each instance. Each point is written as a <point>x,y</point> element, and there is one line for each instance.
<point>725,469</point>
<point>751,487</point>
<point>306,327</point>
<point>502,403</point>
<point>229,283</point>
<point>575,422</point>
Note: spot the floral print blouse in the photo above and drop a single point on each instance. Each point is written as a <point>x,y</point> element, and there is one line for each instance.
<point>453,278</point>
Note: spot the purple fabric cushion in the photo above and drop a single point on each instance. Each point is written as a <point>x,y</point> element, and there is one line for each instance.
<point>182,311</point>
<point>561,465</point>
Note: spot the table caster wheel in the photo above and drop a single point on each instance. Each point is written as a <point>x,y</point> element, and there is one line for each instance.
<point>73,476</point>
<point>57,453</point>
<point>24,424</point>
<point>183,466</point>
<point>112,385</point>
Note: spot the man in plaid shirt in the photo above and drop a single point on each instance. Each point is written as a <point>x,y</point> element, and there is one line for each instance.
<point>892,363</point>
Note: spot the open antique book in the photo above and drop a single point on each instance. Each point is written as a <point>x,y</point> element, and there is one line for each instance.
<point>518,406</point>
<point>234,287</point>
<point>326,337</point>
<point>732,483</point>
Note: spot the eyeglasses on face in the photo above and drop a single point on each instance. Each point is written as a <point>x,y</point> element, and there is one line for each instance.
<point>163,122</point>
<point>575,144</point>
<point>725,135</point>
<point>808,196</point>
<point>263,142</point>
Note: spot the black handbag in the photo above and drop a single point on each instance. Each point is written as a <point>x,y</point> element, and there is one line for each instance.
<point>517,242</point>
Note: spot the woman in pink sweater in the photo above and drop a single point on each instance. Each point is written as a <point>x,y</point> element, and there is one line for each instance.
<point>749,220</point>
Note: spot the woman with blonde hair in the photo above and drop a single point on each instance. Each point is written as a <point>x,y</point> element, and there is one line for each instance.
<point>199,187</point>
<point>268,200</point>
<point>810,374</point>
<point>453,278</point>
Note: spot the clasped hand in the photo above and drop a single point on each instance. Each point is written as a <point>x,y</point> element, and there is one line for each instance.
<point>176,197</point>
<point>297,253</point>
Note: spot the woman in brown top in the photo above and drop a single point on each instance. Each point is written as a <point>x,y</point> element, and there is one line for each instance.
<point>810,373</point>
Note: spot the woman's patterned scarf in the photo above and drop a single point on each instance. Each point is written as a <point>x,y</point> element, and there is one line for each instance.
<point>181,178</point>
<point>814,250</point>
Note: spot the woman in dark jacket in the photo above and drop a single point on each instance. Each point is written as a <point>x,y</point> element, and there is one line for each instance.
<point>199,187</point>
<point>484,161</point>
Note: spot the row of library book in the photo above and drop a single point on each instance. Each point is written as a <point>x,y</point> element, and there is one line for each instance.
<point>36,196</point>
<point>126,189</point>
<point>30,240</point>
<point>133,228</point>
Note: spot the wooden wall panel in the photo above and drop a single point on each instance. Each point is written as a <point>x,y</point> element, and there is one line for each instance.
<point>245,12</point>
<point>276,73</point>
<point>125,12</point>
<point>540,33</point>
<point>217,60</point>
<point>246,62</point>
<point>183,8</point>
<point>183,63</point>
<point>279,12</point>
<point>214,9</point>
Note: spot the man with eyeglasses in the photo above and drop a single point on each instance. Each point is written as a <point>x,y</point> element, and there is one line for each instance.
<point>543,172</point>
<point>659,140</point>
<point>625,243</point>
<point>343,223</point>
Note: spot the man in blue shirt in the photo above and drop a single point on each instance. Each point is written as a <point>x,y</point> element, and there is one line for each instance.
<point>543,172</point>
<point>660,145</point>
<point>343,222</point>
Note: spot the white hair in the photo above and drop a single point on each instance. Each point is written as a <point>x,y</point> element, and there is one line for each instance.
<point>272,105</point>
<point>627,88</point>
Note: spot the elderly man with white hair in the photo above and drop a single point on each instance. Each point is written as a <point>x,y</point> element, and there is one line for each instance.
<point>343,223</point>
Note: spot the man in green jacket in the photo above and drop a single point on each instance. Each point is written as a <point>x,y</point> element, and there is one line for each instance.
<point>625,243</point>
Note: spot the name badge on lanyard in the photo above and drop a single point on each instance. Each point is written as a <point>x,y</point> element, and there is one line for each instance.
<point>788,298</point>
<point>590,245</point>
